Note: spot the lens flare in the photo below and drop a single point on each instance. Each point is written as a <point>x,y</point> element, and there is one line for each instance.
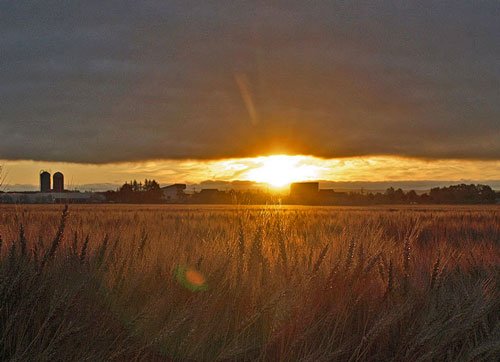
<point>190,279</point>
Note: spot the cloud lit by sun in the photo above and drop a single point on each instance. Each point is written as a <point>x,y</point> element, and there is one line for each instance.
<point>281,170</point>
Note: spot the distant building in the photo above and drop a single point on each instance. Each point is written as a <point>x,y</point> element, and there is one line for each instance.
<point>304,192</point>
<point>77,197</point>
<point>331,197</point>
<point>174,193</point>
<point>44,181</point>
<point>58,182</point>
<point>50,197</point>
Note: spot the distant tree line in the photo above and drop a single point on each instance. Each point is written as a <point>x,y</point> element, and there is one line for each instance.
<point>463,194</point>
<point>455,194</point>
<point>149,192</point>
<point>136,192</point>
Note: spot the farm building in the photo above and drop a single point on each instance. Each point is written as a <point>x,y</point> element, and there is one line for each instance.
<point>174,193</point>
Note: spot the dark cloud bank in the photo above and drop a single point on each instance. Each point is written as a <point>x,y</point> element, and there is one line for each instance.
<point>96,81</point>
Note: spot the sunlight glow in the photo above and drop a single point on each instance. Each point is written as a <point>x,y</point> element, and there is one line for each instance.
<point>272,170</point>
<point>281,170</point>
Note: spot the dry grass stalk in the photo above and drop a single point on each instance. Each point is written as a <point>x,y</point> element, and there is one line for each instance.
<point>435,273</point>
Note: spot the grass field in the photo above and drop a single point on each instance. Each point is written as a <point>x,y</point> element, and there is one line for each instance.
<point>204,283</point>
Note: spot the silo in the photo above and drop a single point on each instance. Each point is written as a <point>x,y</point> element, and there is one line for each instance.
<point>58,182</point>
<point>44,181</point>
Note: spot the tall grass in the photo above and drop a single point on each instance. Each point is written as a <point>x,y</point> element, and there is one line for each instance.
<point>282,284</point>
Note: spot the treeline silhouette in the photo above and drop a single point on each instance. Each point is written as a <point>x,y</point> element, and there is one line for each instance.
<point>150,192</point>
<point>136,192</point>
<point>468,194</point>
<point>455,194</point>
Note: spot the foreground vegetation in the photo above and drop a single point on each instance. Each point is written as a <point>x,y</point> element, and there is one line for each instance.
<point>157,283</point>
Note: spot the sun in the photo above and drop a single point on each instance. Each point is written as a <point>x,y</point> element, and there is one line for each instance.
<point>281,170</point>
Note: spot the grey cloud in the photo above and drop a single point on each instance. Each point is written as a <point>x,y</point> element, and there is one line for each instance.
<point>97,82</point>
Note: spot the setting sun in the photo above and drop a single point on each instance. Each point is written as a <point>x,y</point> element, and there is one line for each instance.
<point>281,170</point>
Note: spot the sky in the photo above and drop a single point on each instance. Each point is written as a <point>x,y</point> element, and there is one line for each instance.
<point>117,89</point>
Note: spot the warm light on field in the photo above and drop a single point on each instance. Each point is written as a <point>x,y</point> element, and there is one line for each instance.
<point>281,170</point>
<point>305,280</point>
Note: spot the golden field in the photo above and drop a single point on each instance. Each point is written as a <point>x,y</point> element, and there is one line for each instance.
<point>203,283</point>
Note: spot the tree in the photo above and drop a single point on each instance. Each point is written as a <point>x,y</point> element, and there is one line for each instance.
<point>137,192</point>
<point>399,196</point>
<point>463,194</point>
<point>151,185</point>
<point>411,196</point>
<point>126,188</point>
